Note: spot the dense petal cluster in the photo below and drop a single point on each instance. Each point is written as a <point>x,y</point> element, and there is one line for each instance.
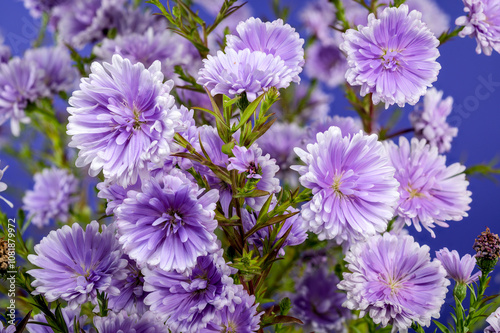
<point>326,62</point>
<point>134,323</point>
<point>393,57</point>
<point>483,23</point>
<point>75,264</point>
<point>114,193</point>
<point>187,302</point>
<point>69,315</point>
<point>494,321</point>
<point>274,38</point>
<point>458,269</point>
<point>430,123</point>
<point>168,223</point>
<point>122,119</point>
<point>318,303</point>
<point>393,280</point>
<point>353,186</point>
<point>430,192</point>
<point>245,161</point>
<point>53,194</point>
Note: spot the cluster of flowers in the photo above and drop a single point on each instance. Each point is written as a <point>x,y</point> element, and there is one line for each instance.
<point>170,183</point>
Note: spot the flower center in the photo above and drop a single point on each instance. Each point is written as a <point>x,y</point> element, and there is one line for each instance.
<point>137,122</point>
<point>252,168</point>
<point>337,182</point>
<point>390,59</point>
<point>230,328</point>
<point>414,193</point>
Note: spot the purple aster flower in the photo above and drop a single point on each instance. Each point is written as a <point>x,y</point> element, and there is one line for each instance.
<point>56,64</point>
<point>318,302</point>
<point>247,71</point>
<point>483,23</point>
<point>123,322</point>
<point>54,192</point>
<point>353,186</point>
<point>430,122</point>
<point>326,63</point>
<point>494,321</point>
<point>244,318</point>
<point>122,119</point>
<point>275,38</point>
<point>393,280</point>
<point>68,272</point>
<point>7,329</point>
<point>245,161</point>
<point>69,316</point>
<point>38,7</point>
<point>169,223</point>
<point>131,297</point>
<point>317,16</point>
<point>5,51</point>
<point>347,125</point>
<point>20,83</point>
<point>458,269</point>
<point>430,192</point>
<point>188,302</point>
<point>393,57</point>
<point>114,193</point>
<point>3,187</point>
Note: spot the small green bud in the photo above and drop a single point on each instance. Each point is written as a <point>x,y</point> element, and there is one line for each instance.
<point>460,291</point>
<point>285,306</point>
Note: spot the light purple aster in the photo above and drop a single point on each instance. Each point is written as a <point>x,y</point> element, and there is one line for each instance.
<point>7,329</point>
<point>131,297</point>
<point>235,72</point>
<point>187,303</point>
<point>275,38</point>
<point>69,316</point>
<point>353,186</point>
<point>168,223</point>
<point>245,161</point>
<point>244,318</point>
<point>122,119</point>
<point>75,264</point>
<point>494,321</point>
<point>54,192</point>
<point>326,62</point>
<point>393,57</point>
<point>318,302</point>
<point>3,187</point>
<point>38,7</point>
<point>483,23</point>
<point>430,123</point>
<point>134,323</point>
<point>317,16</point>
<point>114,193</point>
<point>347,125</point>
<point>20,83</point>
<point>430,192</point>
<point>393,280</point>
<point>458,269</point>
<point>57,66</point>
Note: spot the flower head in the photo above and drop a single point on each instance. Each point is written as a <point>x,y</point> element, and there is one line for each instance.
<point>69,315</point>
<point>38,7</point>
<point>430,192</point>
<point>123,322</point>
<point>326,62</point>
<point>393,57</point>
<point>244,160</point>
<point>393,280</point>
<point>251,72</point>
<point>352,183</point>
<point>430,123</point>
<point>487,247</point>
<point>122,119</point>
<point>188,302</point>
<point>51,197</point>
<point>68,271</point>
<point>459,269</point>
<point>347,125</point>
<point>483,23</point>
<point>494,321</point>
<point>168,223</point>
<point>275,38</point>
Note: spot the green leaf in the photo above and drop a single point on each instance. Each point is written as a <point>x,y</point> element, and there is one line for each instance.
<point>249,111</point>
<point>443,328</point>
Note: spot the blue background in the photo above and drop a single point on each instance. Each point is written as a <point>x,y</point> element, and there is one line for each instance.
<point>461,77</point>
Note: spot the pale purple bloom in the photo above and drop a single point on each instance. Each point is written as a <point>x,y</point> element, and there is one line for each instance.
<point>57,66</point>
<point>123,118</point>
<point>133,322</point>
<point>347,125</point>
<point>392,279</point>
<point>245,161</point>
<point>318,302</point>
<point>67,271</point>
<point>275,38</point>
<point>188,302</point>
<point>326,62</point>
<point>393,57</point>
<point>54,192</point>
<point>168,223</point>
<point>3,187</point>
<point>20,83</point>
<point>430,123</point>
<point>494,321</point>
<point>131,297</point>
<point>353,186</point>
<point>244,318</point>
<point>458,269</point>
<point>483,23</point>
<point>317,16</point>
<point>38,7</point>
<point>430,192</point>
<point>114,193</point>
<point>69,318</point>
<point>251,72</point>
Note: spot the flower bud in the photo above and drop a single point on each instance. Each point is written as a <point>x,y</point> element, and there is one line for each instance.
<point>460,291</point>
<point>487,246</point>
